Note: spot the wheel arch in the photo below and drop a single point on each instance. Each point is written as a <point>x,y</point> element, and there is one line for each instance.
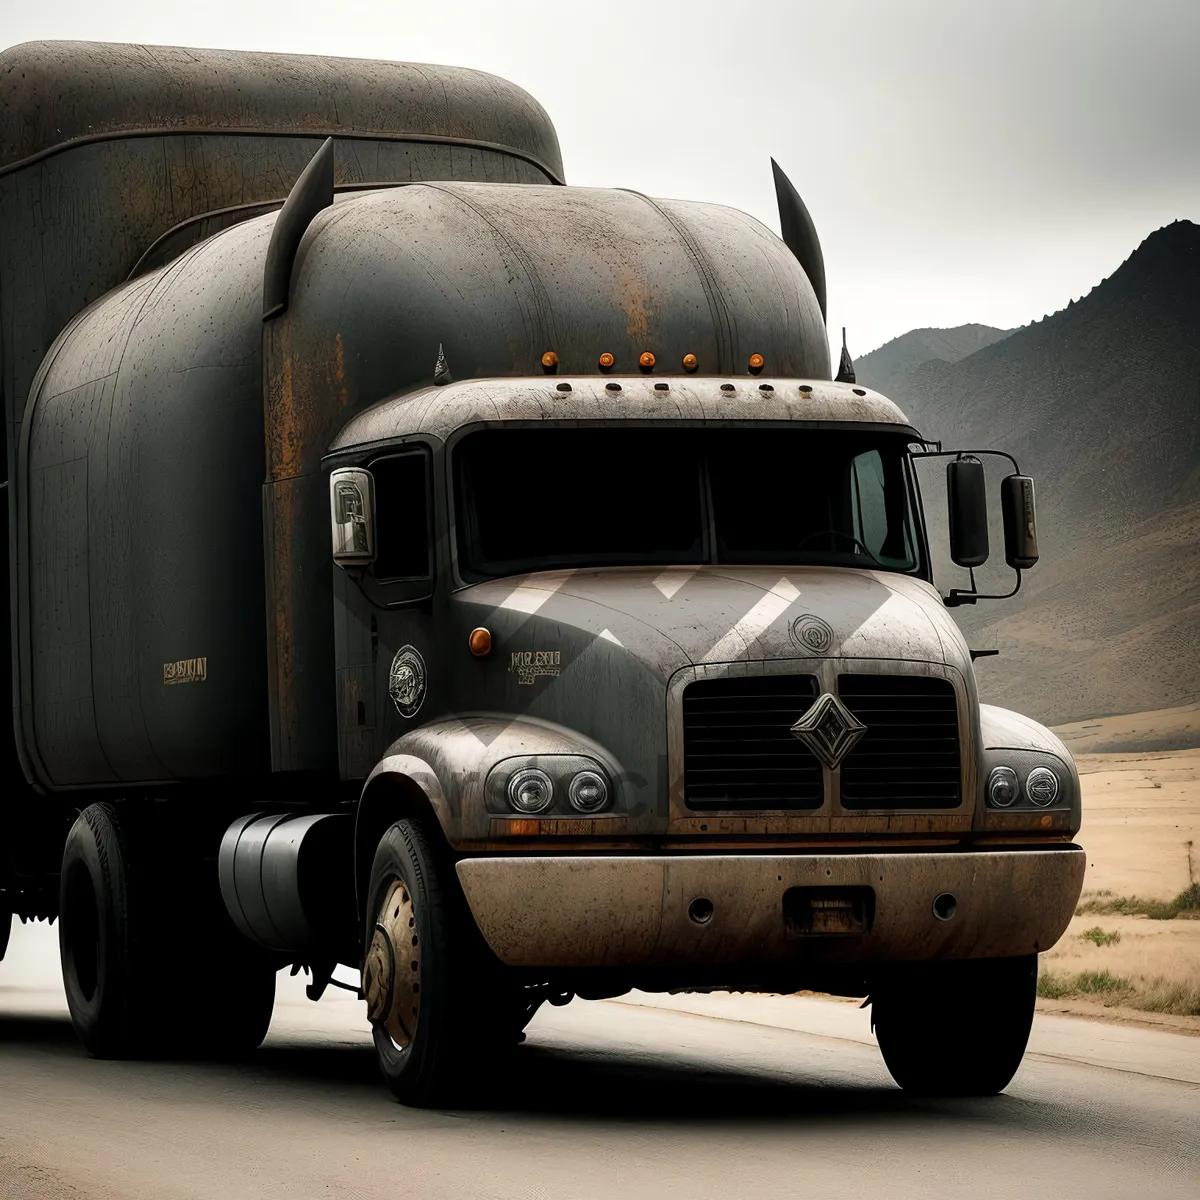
<point>401,787</point>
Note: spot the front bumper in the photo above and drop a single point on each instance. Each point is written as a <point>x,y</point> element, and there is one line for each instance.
<point>634,910</point>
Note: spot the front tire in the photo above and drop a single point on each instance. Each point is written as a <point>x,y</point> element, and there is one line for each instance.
<point>426,974</point>
<point>956,1028</point>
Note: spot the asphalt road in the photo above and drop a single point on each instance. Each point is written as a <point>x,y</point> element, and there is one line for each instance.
<point>608,1099</point>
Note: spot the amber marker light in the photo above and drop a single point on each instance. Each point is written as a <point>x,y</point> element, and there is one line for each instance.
<point>606,361</point>
<point>690,363</point>
<point>549,362</point>
<point>757,362</point>
<point>646,361</point>
<point>480,642</point>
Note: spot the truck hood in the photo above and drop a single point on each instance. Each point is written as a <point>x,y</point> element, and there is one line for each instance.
<point>683,616</point>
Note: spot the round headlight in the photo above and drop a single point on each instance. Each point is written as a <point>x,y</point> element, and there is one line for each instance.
<point>1041,786</point>
<point>588,792</point>
<point>1002,788</point>
<point>530,790</point>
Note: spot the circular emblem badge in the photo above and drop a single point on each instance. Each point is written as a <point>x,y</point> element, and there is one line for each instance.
<point>812,634</point>
<point>406,681</point>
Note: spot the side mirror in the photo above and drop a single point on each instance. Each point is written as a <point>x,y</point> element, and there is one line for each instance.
<point>1020,522</point>
<point>966,500</point>
<point>352,516</point>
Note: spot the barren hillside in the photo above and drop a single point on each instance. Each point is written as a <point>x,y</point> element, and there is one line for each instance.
<point>1101,404</point>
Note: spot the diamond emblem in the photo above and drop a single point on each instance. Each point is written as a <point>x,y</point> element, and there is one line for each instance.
<point>829,729</point>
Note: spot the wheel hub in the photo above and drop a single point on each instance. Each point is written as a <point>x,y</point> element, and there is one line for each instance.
<point>392,972</point>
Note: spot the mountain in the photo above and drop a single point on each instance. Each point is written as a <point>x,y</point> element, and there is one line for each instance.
<point>1100,403</point>
<point>886,369</point>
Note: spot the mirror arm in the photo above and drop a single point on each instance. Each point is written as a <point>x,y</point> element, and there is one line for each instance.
<point>940,453</point>
<point>957,597</point>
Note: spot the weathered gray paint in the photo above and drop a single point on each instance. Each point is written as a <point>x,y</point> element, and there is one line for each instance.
<point>139,538</point>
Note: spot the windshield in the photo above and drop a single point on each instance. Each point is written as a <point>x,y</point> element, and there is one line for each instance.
<point>537,499</point>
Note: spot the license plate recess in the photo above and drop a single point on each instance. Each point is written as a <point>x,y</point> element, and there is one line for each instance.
<point>828,911</point>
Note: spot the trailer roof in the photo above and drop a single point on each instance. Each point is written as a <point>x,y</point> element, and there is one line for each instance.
<point>57,94</point>
<point>439,411</point>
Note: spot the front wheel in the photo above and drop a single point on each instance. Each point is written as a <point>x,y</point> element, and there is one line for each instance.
<point>427,978</point>
<point>956,1028</point>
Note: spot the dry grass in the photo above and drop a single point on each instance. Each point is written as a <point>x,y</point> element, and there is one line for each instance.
<point>1130,961</point>
<point>1188,901</point>
<point>1151,995</point>
<point>1141,829</point>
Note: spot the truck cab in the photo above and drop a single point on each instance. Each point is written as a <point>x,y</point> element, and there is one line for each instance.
<point>678,690</point>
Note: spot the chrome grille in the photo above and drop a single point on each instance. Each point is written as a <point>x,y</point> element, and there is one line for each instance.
<point>738,749</point>
<point>909,756</point>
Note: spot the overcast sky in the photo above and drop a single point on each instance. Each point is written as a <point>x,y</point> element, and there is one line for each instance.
<point>963,161</point>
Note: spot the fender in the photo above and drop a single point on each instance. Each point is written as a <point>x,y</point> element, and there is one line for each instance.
<point>1014,740</point>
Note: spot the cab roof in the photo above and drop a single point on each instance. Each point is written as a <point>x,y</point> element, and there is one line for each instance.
<point>439,411</point>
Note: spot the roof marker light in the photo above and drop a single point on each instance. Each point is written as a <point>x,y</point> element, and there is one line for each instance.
<point>646,361</point>
<point>757,362</point>
<point>606,361</point>
<point>690,363</point>
<point>549,362</point>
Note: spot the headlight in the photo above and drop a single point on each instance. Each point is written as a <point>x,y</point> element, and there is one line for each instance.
<point>588,792</point>
<point>530,790</point>
<point>1041,786</point>
<point>1003,790</point>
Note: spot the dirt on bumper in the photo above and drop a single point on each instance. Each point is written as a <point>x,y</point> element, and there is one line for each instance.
<point>684,910</point>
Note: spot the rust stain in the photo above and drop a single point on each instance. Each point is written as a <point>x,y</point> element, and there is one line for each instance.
<point>285,419</point>
<point>635,302</point>
<point>339,371</point>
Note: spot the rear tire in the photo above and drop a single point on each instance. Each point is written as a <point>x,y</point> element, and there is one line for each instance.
<point>98,942</point>
<point>956,1028</point>
<point>427,975</point>
<point>139,983</point>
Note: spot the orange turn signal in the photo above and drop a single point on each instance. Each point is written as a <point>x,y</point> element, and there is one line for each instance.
<point>690,363</point>
<point>756,363</point>
<point>606,361</point>
<point>480,642</point>
<point>646,361</point>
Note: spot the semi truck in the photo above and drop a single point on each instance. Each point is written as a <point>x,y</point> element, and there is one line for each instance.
<point>421,566</point>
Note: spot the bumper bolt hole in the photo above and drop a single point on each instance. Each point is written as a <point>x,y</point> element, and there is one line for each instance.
<point>944,906</point>
<point>701,910</point>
